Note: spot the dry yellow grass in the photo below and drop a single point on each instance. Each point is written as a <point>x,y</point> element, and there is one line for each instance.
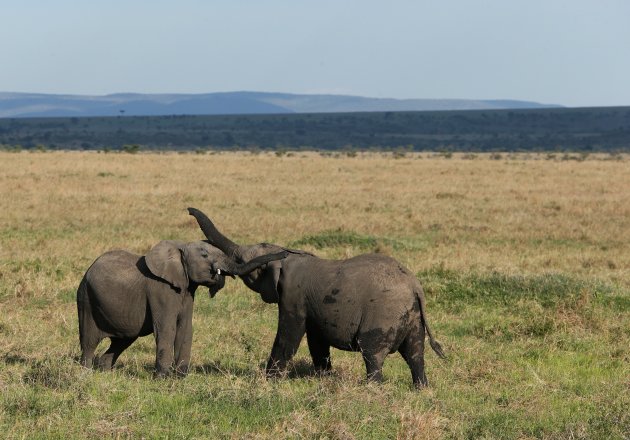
<point>510,215</point>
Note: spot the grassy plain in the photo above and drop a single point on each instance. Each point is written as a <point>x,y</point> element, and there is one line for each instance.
<point>525,260</point>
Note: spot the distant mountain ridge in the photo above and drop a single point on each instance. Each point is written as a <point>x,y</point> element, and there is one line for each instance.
<point>20,105</point>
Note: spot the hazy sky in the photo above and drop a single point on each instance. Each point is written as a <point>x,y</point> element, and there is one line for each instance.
<point>570,52</point>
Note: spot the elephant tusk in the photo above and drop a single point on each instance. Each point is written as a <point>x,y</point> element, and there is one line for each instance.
<point>218,271</point>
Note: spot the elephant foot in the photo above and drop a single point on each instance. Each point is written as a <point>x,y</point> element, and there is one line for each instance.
<point>182,371</point>
<point>274,374</point>
<point>323,371</point>
<point>420,385</point>
<point>87,362</point>
<point>103,363</point>
<point>275,369</point>
<point>161,373</point>
<point>375,377</point>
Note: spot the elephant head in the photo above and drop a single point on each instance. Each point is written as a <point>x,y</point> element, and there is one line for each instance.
<point>265,279</point>
<point>199,263</point>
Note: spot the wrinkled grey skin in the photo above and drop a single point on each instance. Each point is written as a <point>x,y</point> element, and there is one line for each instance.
<point>124,296</point>
<point>369,303</point>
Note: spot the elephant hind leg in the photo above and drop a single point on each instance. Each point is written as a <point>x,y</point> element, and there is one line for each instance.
<point>89,336</point>
<point>88,347</point>
<point>412,351</point>
<point>374,364</point>
<point>117,346</point>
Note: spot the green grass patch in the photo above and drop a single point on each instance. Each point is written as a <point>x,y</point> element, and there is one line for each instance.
<point>450,288</point>
<point>531,355</point>
<point>341,239</point>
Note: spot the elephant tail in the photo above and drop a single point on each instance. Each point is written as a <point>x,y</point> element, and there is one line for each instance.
<point>82,294</point>
<point>435,345</point>
<point>83,305</point>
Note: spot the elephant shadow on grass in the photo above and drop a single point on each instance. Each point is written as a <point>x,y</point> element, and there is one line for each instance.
<point>15,359</point>
<point>130,367</point>
<point>298,368</point>
<point>216,368</point>
<point>303,368</point>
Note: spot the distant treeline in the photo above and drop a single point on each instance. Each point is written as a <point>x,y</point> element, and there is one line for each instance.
<point>580,129</point>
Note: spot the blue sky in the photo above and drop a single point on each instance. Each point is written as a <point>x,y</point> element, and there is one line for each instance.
<point>574,53</point>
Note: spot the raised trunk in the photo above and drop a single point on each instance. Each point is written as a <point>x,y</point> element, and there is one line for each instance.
<point>214,237</point>
<point>245,268</point>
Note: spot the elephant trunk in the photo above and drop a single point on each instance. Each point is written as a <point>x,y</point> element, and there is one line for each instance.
<point>245,268</point>
<point>213,235</point>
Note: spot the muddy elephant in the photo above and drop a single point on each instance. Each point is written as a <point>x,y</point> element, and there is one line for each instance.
<point>369,303</point>
<point>123,296</point>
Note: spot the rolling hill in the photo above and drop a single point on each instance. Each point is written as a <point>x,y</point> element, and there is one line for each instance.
<point>21,105</point>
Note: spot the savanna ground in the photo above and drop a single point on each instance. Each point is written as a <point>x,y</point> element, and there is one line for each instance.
<point>525,261</point>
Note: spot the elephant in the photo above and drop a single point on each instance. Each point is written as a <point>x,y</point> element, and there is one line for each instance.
<point>369,303</point>
<point>124,296</point>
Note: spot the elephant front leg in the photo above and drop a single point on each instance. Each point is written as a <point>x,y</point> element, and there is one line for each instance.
<point>319,348</point>
<point>291,329</point>
<point>164,341</point>
<point>183,342</point>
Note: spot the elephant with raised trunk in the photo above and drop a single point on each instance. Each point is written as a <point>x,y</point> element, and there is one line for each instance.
<point>123,296</point>
<point>369,303</point>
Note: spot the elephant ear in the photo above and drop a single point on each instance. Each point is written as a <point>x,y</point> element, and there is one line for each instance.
<point>164,260</point>
<point>276,275</point>
<point>269,283</point>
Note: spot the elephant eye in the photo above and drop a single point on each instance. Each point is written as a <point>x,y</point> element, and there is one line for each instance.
<point>204,254</point>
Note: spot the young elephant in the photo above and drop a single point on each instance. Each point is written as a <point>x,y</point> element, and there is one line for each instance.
<point>124,296</point>
<point>369,303</point>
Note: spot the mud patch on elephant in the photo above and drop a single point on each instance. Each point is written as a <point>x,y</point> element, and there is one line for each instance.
<point>330,299</point>
<point>377,340</point>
